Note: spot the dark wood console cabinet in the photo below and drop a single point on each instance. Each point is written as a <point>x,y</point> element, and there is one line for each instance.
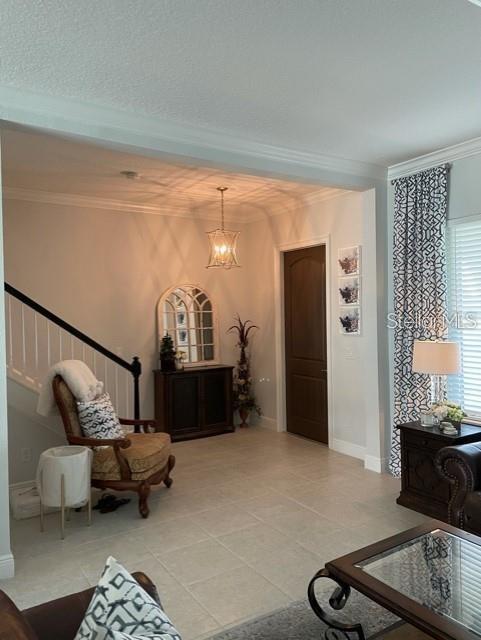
<point>422,488</point>
<point>194,403</point>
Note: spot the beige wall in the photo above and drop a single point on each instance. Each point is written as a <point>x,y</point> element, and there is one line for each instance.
<point>345,220</point>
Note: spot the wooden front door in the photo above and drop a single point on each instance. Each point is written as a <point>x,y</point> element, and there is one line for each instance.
<point>306,342</point>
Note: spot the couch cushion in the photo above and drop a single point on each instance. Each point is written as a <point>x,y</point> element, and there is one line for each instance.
<point>13,625</point>
<point>120,608</point>
<point>147,454</point>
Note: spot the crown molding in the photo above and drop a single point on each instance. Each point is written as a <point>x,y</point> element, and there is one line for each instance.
<point>141,134</point>
<point>427,161</point>
<point>182,208</point>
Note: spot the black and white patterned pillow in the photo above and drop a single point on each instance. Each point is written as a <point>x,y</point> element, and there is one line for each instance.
<point>121,610</point>
<point>98,419</point>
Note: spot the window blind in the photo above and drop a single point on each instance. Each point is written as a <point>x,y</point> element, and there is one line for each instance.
<point>464,312</point>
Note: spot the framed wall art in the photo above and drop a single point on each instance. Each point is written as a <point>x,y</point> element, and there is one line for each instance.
<point>349,290</point>
<point>350,321</point>
<point>349,261</point>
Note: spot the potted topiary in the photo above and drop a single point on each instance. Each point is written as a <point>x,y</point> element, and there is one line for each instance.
<point>167,354</point>
<point>244,399</point>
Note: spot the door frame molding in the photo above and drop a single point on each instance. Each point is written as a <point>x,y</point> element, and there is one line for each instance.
<point>280,342</point>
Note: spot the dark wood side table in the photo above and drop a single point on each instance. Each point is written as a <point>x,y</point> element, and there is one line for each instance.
<point>194,403</point>
<point>422,488</point>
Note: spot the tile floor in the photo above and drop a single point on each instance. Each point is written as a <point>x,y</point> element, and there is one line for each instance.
<point>249,519</point>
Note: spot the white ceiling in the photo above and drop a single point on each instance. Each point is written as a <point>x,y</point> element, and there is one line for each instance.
<point>47,168</point>
<point>378,81</point>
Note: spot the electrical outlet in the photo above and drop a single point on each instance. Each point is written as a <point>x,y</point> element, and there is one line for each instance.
<point>26,454</point>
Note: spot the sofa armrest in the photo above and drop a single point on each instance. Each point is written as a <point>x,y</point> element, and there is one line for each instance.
<point>461,467</point>
<point>61,619</point>
<point>13,625</point>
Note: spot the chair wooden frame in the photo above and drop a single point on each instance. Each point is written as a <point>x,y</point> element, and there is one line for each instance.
<point>126,483</point>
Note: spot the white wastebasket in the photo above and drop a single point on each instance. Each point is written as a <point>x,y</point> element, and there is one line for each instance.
<point>63,480</point>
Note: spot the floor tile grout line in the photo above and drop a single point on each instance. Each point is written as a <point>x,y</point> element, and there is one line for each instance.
<point>254,569</point>
<point>185,587</point>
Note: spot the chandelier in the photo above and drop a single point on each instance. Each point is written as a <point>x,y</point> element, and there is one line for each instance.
<point>222,242</point>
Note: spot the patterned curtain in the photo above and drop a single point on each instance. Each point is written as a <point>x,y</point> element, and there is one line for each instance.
<point>419,252</point>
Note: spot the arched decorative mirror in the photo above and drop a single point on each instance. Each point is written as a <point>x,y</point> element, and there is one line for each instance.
<point>186,313</point>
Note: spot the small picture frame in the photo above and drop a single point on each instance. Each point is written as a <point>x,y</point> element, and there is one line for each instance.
<point>350,320</point>
<point>349,291</point>
<point>349,261</point>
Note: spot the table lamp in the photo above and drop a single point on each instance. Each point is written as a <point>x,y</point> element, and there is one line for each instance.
<point>438,359</point>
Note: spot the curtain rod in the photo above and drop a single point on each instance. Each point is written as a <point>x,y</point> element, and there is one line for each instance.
<point>448,166</point>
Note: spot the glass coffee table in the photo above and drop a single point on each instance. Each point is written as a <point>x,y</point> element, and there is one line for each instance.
<point>429,576</point>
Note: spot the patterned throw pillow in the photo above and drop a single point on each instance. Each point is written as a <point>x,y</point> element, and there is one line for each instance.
<point>98,419</point>
<point>121,610</point>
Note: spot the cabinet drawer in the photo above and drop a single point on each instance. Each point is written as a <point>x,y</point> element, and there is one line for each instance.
<point>419,441</point>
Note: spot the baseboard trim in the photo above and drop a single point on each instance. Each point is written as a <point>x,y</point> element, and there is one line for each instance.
<point>348,449</point>
<point>372,463</point>
<point>268,423</point>
<point>23,483</point>
<point>7,566</point>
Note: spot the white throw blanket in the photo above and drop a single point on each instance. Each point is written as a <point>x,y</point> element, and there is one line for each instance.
<point>79,379</point>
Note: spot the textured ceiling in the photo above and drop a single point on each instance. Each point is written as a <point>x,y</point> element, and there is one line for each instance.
<point>373,80</point>
<point>49,168</point>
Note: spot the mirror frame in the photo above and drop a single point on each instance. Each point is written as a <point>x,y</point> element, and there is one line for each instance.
<point>161,329</point>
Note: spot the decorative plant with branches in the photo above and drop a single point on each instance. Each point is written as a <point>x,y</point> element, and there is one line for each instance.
<point>243,395</point>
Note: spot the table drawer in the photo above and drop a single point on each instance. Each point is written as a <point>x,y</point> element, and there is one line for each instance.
<point>419,441</point>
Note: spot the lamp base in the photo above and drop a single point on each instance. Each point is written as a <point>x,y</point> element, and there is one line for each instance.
<point>438,389</point>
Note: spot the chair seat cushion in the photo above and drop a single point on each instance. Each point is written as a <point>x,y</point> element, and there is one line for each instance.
<point>147,454</point>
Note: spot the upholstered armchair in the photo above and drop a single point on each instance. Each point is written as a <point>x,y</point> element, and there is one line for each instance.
<point>134,463</point>
<point>461,467</point>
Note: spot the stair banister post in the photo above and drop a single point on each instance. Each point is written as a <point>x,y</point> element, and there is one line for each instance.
<point>136,369</point>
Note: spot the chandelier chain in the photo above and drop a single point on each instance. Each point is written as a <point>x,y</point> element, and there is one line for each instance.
<point>222,189</point>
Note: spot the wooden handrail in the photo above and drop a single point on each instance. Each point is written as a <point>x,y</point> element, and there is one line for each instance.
<point>134,367</point>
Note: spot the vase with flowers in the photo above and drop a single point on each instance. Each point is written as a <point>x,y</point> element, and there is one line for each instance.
<point>244,399</point>
<point>449,411</point>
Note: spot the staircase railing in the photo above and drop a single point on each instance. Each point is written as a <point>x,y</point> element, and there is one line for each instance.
<point>37,338</point>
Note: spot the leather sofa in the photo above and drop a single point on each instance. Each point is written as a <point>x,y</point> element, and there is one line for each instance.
<point>461,467</point>
<point>55,620</point>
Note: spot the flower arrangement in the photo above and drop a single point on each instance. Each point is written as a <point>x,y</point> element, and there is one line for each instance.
<point>349,264</point>
<point>179,359</point>
<point>448,411</point>
<point>244,399</point>
<point>350,322</point>
<point>349,294</point>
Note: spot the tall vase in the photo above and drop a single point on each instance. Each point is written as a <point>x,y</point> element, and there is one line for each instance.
<point>244,415</point>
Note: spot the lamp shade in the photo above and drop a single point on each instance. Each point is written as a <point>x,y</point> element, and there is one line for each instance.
<point>435,357</point>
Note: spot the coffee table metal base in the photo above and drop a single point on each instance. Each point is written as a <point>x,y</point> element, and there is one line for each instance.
<point>336,630</point>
